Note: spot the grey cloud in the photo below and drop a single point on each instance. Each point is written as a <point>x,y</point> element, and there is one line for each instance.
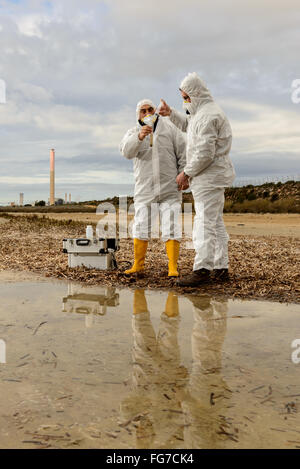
<point>82,62</point>
<point>79,163</point>
<point>266,165</point>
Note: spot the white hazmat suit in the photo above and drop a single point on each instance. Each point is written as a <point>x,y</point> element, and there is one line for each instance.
<point>210,170</point>
<point>157,159</point>
<point>155,172</point>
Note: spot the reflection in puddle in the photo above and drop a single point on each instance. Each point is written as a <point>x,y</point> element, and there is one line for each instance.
<point>80,300</point>
<point>207,394</point>
<point>172,403</point>
<point>138,369</point>
<point>157,375</point>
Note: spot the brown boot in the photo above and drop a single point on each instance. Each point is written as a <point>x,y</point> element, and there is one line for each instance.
<point>197,278</point>
<point>221,275</point>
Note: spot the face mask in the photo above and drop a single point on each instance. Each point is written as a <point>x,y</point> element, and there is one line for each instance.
<point>150,119</point>
<point>186,106</point>
<point>190,107</point>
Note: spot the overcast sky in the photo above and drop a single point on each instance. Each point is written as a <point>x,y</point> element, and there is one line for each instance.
<point>75,69</point>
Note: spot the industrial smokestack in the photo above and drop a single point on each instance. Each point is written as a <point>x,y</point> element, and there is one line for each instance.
<point>52,177</point>
<point>70,198</point>
<point>66,198</point>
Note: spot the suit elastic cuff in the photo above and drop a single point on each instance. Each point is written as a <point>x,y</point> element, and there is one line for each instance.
<point>187,172</point>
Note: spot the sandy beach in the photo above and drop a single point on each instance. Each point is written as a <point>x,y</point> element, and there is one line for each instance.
<point>264,256</point>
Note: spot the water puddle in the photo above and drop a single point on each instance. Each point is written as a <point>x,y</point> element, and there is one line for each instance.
<point>99,367</point>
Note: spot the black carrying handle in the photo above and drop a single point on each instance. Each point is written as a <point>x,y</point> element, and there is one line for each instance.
<point>83,242</point>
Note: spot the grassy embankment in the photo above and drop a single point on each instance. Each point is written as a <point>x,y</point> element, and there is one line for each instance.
<point>266,198</point>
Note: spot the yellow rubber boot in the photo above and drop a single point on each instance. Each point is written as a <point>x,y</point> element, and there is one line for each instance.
<point>139,302</point>
<point>172,308</point>
<point>140,249</point>
<point>172,248</point>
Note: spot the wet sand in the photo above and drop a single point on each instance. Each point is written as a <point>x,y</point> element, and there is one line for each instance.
<point>253,224</point>
<point>99,367</point>
<point>12,276</point>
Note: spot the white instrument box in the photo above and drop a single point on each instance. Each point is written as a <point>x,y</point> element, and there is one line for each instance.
<point>92,253</point>
<point>90,300</point>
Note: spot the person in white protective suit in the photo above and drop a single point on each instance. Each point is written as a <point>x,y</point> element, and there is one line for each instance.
<point>208,170</point>
<point>207,396</point>
<point>157,375</point>
<point>158,149</point>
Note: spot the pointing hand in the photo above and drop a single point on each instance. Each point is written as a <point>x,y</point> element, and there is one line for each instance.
<point>164,109</point>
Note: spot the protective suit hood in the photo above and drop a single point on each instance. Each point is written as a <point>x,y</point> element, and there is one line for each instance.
<point>197,91</point>
<point>155,167</point>
<point>140,104</point>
